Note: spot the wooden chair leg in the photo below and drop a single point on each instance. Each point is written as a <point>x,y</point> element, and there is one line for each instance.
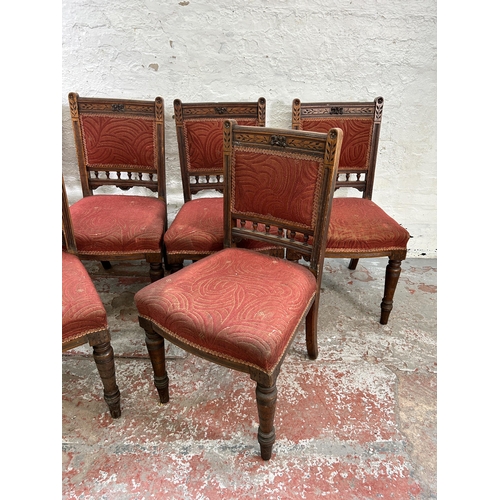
<point>312,330</point>
<point>353,264</point>
<point>156,349</point>
<point>105,362</point>
<point>106,264</point>
<point>392,272</point>
<point>156,271</point>
<point>266,406</point>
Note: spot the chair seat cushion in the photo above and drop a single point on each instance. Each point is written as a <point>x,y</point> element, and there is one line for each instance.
<point>358,225</point>
<point>236,304</point>
<point>82,308</point>
<point>198,228</point>
<point>118,224</point>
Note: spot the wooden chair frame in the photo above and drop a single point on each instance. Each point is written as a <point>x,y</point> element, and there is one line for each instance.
<point>196,180</point>
<point>362,179</point>
<point>122,176</point>
<point>100,340</point>
<point>325,148</point>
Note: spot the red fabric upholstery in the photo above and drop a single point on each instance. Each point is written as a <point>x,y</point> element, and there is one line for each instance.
<point>118,224</point>
<point>260,186</point>
<point>82,309</point>
<point>357,225</point>
<point>111,140</point>
<point>198,228</point>
<point>235,304</point>
<point>356,144</point>
<point>204,143</point>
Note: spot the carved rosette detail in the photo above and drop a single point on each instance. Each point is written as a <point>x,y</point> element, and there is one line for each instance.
<point>278,140</point>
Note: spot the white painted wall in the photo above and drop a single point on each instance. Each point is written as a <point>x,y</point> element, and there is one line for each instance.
<point>316,50</point>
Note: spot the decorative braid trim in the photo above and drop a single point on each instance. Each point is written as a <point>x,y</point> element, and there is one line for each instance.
<point>86,332</point>
<point>121,252</point>
<point>363,250</point>
<point>230,358</point>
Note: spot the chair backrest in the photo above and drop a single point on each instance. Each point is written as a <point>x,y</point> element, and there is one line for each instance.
<point>199,138</point>
<point>119,142</point>
<point>69,242</point>
<point>281,180</point>
<point>360,122</point>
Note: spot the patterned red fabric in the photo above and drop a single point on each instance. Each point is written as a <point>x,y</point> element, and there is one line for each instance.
<point>82,309</point>
<point>358,225</point>
<point>111,140</point>
<point>356,144</point>
<point>118,224</point>
<point>204,144</point>
<point>236,304</point>
<point>198,227</point>
<point>265,184</point>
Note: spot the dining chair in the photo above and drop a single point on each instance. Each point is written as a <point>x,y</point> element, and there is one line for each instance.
<point>120,146</point>
<point>84,317</point>
<point>198,228</point>
<point>359,228</point>
<point>240,308</point>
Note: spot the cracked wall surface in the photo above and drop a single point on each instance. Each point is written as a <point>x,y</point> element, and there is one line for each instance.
<point>316,50</point>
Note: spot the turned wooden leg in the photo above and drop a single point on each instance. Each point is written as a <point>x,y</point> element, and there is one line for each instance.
<point>106,264</point>
<point>392,272</point>
<point>105,362</point>
<point>352,264</point>
<point>312,330</point>
<point>266,406</point>
<point>156,271</point>
<point>156,348</point>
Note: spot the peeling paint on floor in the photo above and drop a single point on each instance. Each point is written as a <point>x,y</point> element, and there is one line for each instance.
<point>357,423</point>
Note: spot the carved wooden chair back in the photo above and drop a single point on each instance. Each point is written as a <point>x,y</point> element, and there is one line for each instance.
<point>83,314</point>
<point>199,138</point>
<point>358,227</point>
<point>238,307</point>
<point>197,229</point>
<point>120,143</point>
<point>360,122</point>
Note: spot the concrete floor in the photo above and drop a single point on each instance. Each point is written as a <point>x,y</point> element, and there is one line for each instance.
<point>357,423</point>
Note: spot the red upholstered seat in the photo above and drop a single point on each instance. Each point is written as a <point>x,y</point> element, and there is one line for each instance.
<point>82,308</point>
<point>198,228</point>
<point>83,315</point>
<point>237,304</point>
<point>358,224</point>
<point>118,224</point>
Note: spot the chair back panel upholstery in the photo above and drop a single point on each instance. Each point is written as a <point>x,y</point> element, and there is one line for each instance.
<point>282,181</point>
<point>119,142</point>
<point>199,136</point>
<point>360,122</point>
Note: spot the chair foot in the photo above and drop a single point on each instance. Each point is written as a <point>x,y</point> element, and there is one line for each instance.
<point>106,264</point>
<point>113,402</point>
<point>392,272</point>
<point>266,406</point>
